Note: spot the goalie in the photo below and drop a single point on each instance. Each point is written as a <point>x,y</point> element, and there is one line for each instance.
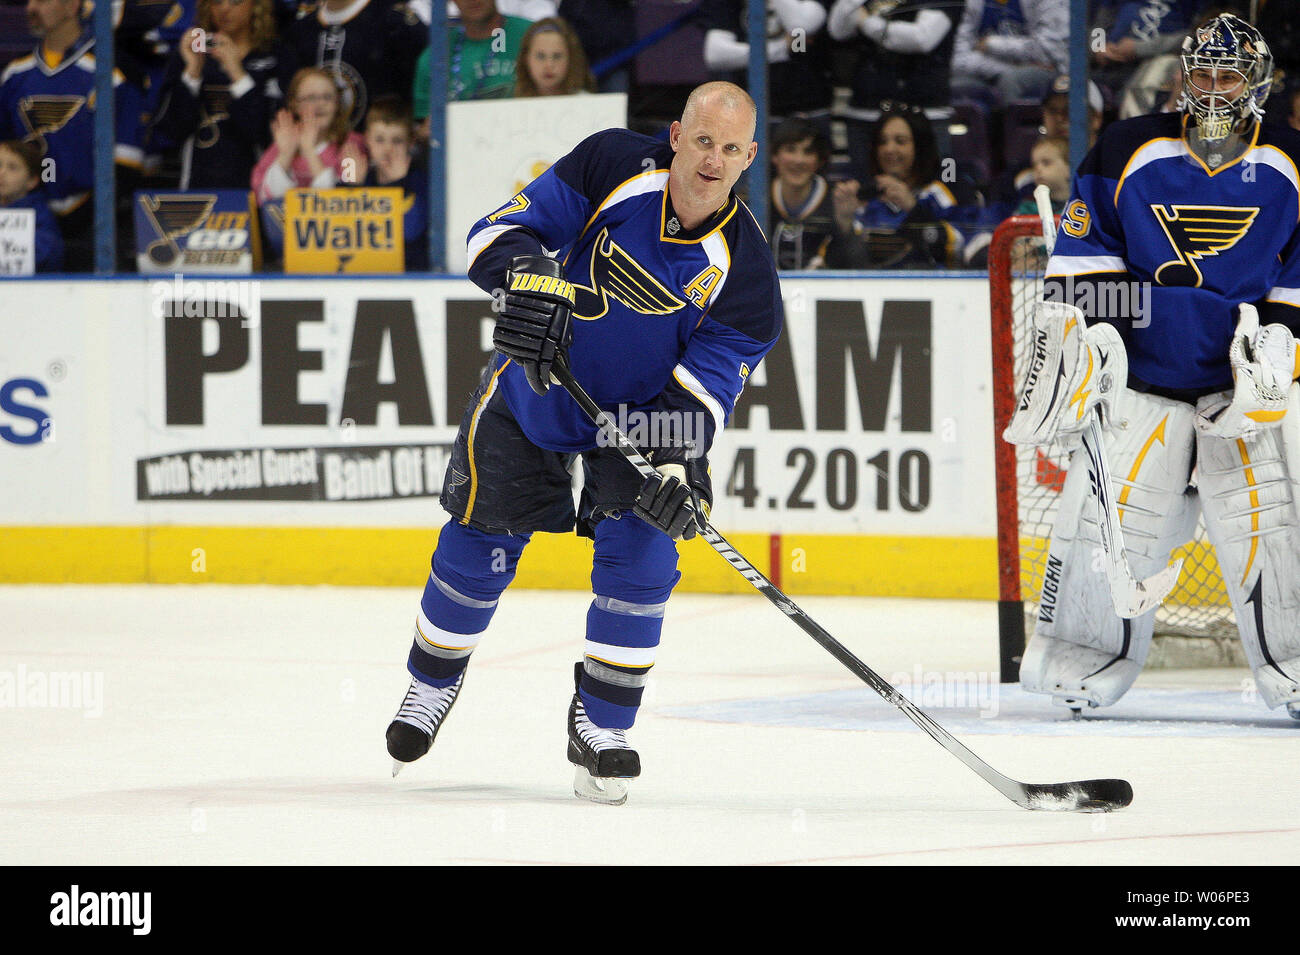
<point>1188,222</point>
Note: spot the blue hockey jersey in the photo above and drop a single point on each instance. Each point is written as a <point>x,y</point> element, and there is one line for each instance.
<point>53,106</point>
<point>667,319</point>
<point>1155,243</point>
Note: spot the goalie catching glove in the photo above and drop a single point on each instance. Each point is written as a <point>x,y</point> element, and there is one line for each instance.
<point>1071,370</point>
<point>535,321</point>
<point>1263,365</point>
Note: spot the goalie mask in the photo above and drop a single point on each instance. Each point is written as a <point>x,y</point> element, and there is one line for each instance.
<point>1227,74</point>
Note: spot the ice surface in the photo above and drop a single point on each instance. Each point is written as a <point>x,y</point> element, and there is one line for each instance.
<point>245,725</point>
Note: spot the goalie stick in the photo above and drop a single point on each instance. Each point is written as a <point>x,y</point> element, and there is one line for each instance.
<point>1088,795</point>
<point>1131,597</point>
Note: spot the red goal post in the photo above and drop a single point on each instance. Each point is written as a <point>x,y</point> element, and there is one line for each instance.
<point>1194,627</point>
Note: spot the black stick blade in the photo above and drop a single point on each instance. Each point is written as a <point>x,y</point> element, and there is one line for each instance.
<point>1088,795</point>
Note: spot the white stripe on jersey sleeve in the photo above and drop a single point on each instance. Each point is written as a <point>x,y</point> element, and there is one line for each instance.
<point>1151,152</point>
<point>1066,265</point>
<point>636,186</point>
<point>1286,296</point>
<point>481,240</point>
<point>692,384</point>
<point>1274,158</point>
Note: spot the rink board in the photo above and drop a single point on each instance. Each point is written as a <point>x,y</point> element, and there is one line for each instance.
<point>296,431</point>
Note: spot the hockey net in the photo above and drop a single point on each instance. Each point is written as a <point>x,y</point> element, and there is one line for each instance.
<point>1194,626</point>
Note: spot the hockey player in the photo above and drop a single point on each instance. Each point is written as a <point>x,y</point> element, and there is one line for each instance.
<point>664,296</point>
<point>1180,248</point>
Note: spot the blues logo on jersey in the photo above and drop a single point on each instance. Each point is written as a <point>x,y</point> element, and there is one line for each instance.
<point>664,316</point>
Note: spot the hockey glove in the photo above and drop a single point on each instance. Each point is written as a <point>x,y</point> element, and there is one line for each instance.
<point>1263,365</point>
<point>1071,369</point>
<point>670,502</point>
<point>535,321</point>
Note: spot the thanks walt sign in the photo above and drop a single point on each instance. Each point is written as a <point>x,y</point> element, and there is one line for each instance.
<point>343,230</point>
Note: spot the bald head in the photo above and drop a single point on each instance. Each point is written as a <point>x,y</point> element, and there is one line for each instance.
<point>719,95</point>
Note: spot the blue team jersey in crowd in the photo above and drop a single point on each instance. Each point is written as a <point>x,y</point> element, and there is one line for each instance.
<point>1165,249</point>
<point>54,108</point>
<point>666,319</point>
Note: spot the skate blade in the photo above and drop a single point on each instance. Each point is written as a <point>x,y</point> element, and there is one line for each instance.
<point>607,790</point>
<point>397,767</point>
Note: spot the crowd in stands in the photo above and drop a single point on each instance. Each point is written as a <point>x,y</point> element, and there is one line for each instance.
<point>902,131</point>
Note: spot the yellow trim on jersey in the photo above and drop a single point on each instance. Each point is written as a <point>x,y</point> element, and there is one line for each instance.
<point>605,202</point>
<point>663,221</point>
<point>440,646</point>
<point>1157,435</point>
<point>1254,504</point>
<point>469,441</point>
<point>1188,152</point>
<point>614,663</point>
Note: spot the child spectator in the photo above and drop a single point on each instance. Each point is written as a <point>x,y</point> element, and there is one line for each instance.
<point>222,88</point>
<point>551,61</point>
<point>903,221</point>
<point>308,139</point>
<point>20,177</point>
<point>803,211</point>
<point>386,160</point>
<point>1051,165</point>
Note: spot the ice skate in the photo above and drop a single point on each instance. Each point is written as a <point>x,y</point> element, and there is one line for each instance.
<point>423,711</point>
<point>603,759</point>
<point>1293,710</point>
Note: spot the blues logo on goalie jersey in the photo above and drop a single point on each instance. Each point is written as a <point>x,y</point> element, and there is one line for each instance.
<point>1147,212</point>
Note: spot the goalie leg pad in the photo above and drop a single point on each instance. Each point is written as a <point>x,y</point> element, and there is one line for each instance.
<point>1081,651</point>
<point>1250,517</point>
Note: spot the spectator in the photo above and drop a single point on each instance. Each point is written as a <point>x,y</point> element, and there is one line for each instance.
<point>1008,52</point>
<point>1279,23</point>
<point>798,76</point>
<point>551,61</point>
<point>1293,113</point>
<point>46,99</point>
<point>1016,185</point>
<point>1136,32</point>
<point>1051,166</point>
<point>898,217</point>
<point>222,89</point>
<point>308,139</point>
<point>20,180</point>
<point>483,49</point>
<point>903,52</point>
<point>386,160</point>
<point>803,211</point>
<point>605,27</point>
<point>369,45</point>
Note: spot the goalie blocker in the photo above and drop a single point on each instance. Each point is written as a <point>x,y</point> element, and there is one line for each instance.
<point>1072,369</point>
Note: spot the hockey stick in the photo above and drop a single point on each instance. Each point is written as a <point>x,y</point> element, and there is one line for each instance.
<point>1131,597</point>
<point>1088,795</point>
